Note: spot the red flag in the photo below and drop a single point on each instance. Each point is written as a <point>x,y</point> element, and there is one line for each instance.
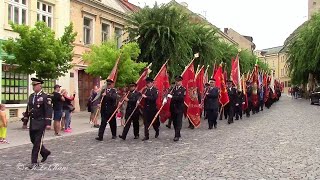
<point>141,82</point>
<point>244,87</point>
<point>200,80</point>
<point>206,76</point>
<point>161,82</point>
<point>215,68</point>
<point>255,83</point>
<point>220,83</point>
<point>235,72</point>
<point>114,72</point>
<point>191,100</point>
<point>265,84</point>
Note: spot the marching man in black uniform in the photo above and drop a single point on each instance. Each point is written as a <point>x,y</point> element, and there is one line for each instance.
<point>132,101</point>
<point>177,106</point>
<point>150,109</point>
<point>212,104</point>
<point>108,106</point>
<point>232,93</point>
<point>249,94</point>
<point>39,112</point>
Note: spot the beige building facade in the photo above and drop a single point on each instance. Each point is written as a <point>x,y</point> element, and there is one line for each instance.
<point>95,22</point>
<point>244,42</point>
<point>276,59</point>
<point>15,87</point>
<point>313,6</point>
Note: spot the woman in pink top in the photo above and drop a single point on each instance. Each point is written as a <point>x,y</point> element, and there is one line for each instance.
<point>68,108</point>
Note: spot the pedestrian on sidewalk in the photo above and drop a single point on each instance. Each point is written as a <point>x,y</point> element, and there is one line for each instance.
<point>3,124</point>
<point>68,108</point>
<point>57,101</point>
<point>39,111</point>
<point>93,104</point>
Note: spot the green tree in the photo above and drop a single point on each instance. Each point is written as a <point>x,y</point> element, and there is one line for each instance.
<point>102,59</point>
<point>37,51</point>
<point>304,53</point>
<point>162,32</point>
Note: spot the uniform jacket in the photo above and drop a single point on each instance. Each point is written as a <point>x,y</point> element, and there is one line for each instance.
<point>240,98</point>
<point>232,96</point>
<point>177,101</point>
<point>133,97</point>
<point>151,99</point>
<point>39,110</point>
<point>211,99</point>
<point>109,102</point>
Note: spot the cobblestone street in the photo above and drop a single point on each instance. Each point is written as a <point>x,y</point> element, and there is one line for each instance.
<point>281,142</point>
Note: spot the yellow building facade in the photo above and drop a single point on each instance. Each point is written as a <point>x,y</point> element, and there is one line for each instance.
<point>95,22</point>
<point>276,59</point>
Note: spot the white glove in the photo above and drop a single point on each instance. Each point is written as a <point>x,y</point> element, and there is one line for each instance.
<point>169,96</point>
<point>164,101</point>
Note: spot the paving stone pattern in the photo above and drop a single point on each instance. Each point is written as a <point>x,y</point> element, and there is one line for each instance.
<point>280,143</point>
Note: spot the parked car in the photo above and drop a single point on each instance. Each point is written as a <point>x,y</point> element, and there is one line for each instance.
<point>315,96</point>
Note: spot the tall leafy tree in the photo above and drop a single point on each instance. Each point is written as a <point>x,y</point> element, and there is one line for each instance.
<point>162,32</point>
<point>102,59</point>
<point>205,41</point>
<point>304,52</point>
<point>36,50</point>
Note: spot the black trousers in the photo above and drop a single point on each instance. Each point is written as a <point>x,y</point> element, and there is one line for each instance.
<point>148,117</point>
<point>177,123</point>
<point>238,111</point>
<point>230,113</point>
<point>261,104</point>
<point>36,139</point>
<point>113,124</point>
<point>135,120</point>
<point>226,110</point>
<point>170,121</point>
<point>212,117</point>
<point>249,108</point>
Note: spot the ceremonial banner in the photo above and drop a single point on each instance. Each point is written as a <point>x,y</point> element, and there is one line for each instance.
<point>200,80</point>
<point>114,72</point>
<point>235,72</point>
<point>221,84</point>
<point>141,82</point>
<point>206,76</point>
<point>215,68</point>
<point>161,82</point>
<point>200,84</point>
<point>244,87</point>
<point>191,100</point>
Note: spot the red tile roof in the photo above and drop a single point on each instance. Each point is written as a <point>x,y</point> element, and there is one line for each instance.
<point>130,6</point>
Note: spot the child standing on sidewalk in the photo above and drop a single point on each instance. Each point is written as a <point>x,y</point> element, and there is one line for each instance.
<point>3,124</point>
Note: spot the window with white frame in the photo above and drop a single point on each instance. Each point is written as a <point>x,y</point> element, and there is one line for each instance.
<point>87,30</point>
<point>105,29</point>
<point>17,11</point>
<point>45,13</point>
<point>118,36</point>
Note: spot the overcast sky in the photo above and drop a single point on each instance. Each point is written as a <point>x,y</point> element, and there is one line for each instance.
<point>269,22</point>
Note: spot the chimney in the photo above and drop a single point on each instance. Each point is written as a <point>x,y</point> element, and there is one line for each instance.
<point>226,30</point>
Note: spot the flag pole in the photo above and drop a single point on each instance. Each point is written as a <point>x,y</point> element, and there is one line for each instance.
<point>99,107</point>
<point>157,114</point>
<point>122,100</point>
